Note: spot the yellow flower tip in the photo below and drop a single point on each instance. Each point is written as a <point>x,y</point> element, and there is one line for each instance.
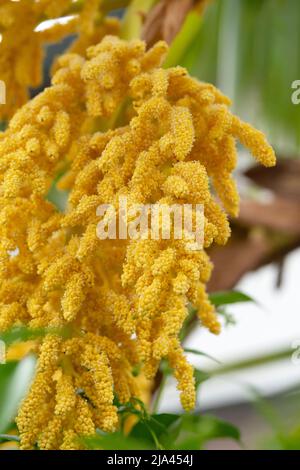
<point>161,47</point>
<point>255,141</point>
<point>188,399</point>
<point>215,327</point>
<point>183,131</point>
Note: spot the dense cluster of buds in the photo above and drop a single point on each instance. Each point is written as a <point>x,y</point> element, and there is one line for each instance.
<point>114,123</point>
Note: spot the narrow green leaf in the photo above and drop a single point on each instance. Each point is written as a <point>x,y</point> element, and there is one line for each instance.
<point>23,334</point>
<point>14,381</point>
<point>228,298</point>
<point>200,377</point>
<point>253,362</point>
<point>201,353</point>
<point>9,438</point>
<point>184,39</point>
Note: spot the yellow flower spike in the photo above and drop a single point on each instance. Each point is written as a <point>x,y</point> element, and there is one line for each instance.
<point>170,326</point>
<point>206,311</point>
<point>73,297</point>
<point>38,406</point>
<point>84,424</point>
<point>106,418</point>
<point>120,311</point>
<point>61,129</point>
<point>181,284</point>
<point>100,374</point>
<point>65,396</point>
<point>51,435</point>
<point>155,56</point>
<point>184,374</point>
<point>9,314</point>
<point>70,441</point>
<point>45,116</point>
<point>176,186</point>
<point>219,121</point>
<point>149,303</point>
<point>227,190</point>
<point>219,222</point>
<point>164,263</point>
<point>183,131</point>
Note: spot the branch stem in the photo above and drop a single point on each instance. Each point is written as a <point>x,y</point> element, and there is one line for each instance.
<point>133,19</point>
<point>159,394</point>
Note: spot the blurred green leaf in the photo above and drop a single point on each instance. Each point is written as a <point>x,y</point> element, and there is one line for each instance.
<point>184,39</point>
<point>114,441</point>
<point>23,334</point>
<point>253,362</point>
<point>58,197</point>
<point>194,431</point>
<point>200,377</point>
<point>20,334</point>
<point>15,378</point>
<point>201,353</point>
<point>228,298</point>
<point>183,432</point>
<point>166,431</point>
<point>154,428</point>
<point>9,438</point>
<point>289,440</point>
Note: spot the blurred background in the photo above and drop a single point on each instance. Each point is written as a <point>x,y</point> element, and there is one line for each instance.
<point>250,49</point>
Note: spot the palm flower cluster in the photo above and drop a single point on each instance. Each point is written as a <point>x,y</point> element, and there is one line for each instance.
<point>114,123</point>
<point>22,40</point>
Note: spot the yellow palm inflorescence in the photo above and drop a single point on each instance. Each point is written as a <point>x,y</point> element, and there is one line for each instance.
<point>117,125</point>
